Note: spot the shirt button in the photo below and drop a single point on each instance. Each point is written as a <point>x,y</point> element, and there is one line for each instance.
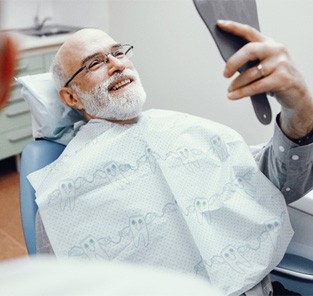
<point>281,148</point>
<point>288,189</point>
<point>295,157</point>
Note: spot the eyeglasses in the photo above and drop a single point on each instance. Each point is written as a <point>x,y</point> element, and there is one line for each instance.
<point>99,60</point>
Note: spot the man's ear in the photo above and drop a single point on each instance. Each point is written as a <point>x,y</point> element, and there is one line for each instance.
<point>8,52</point>
<point>70,98</point>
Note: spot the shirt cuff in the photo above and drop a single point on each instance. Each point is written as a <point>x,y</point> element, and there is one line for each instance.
<point>289,152</point>
<point>306,140</point>
<point>296,160</point>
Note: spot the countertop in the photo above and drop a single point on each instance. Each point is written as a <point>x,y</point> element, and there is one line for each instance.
<point>28,43</point>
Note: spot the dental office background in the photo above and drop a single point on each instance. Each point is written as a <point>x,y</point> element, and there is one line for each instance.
<point>175,55</point>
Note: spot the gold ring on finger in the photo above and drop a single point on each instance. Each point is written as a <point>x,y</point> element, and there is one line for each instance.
<point>260,70</point>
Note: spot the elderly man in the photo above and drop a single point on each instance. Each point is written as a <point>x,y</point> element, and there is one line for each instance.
<point>94,75</point>
<point>89,275</point>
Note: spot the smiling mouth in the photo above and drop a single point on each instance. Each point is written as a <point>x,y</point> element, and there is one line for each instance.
<point>120,84</point>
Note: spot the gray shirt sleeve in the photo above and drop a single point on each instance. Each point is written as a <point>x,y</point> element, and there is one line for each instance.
<point>287,165</point>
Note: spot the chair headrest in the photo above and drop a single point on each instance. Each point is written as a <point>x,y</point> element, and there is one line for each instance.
<point>51,118</point>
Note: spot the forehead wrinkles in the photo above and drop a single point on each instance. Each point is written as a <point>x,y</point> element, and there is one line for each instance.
<point>81,45</point>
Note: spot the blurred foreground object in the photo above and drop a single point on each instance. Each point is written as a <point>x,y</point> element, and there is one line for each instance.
<point>48,276</point>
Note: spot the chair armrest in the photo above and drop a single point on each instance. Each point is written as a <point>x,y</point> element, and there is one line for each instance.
<point>296,266</point>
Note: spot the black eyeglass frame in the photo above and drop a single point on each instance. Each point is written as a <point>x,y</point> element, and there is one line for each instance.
<point>106,61</point>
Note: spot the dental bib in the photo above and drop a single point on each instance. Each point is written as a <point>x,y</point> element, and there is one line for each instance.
<point>172,190</point>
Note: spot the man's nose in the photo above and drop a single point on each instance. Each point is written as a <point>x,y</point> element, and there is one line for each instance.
<point>114,65</point>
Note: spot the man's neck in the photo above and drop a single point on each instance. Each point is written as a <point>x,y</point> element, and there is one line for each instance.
<point>128,121</point>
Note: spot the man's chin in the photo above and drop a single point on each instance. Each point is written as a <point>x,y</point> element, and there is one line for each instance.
<point>129,105</point>
<point>119,113</point>
<point>122,105</point>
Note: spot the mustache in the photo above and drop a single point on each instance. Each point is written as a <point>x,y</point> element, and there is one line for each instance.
<point>127,74</point>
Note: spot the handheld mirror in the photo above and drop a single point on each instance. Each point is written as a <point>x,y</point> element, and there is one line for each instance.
<point>242,11</point>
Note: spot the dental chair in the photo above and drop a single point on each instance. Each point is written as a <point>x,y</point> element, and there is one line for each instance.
<point>295,272</point>
<point>52,120</point>
<point>35,155</point>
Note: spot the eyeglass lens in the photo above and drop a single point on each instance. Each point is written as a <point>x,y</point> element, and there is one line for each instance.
<point>119,53</point>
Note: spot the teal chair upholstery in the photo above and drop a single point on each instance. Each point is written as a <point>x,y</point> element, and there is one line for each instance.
<point>35,155</point>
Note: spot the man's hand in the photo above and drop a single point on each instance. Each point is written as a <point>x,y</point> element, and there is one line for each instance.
<point>277,74</point>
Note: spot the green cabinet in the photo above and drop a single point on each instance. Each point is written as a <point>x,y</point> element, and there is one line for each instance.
<point>15,117</point>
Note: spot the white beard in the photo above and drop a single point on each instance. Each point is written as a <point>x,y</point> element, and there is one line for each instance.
<point>124,105</point>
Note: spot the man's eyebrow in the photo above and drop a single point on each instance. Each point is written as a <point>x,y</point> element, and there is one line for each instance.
<point>86,59</point>
<point>116,45</point>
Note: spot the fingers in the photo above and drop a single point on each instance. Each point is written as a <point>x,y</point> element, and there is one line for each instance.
<point>250,52</point>
<point>246,78</point>
<point>258,46</point>
<point>244,31</point>
<point>252,74</point>
<point>254,51</point>
<point>277,75</point>
<point>277,80</point>
<point>273,75</point>
<point>274,64</point>
<point>267,84</point>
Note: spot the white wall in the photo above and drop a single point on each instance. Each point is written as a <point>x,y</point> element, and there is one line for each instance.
<point>178,61</point>
<point>21,13</point>
<point>82,13</point>
<point>181,67</point>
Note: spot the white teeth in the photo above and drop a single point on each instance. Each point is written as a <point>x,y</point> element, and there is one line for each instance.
<point>122,83</point>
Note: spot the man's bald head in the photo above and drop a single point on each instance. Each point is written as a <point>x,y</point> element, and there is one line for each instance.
<point>70,55</point>
<point>94,75</point>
